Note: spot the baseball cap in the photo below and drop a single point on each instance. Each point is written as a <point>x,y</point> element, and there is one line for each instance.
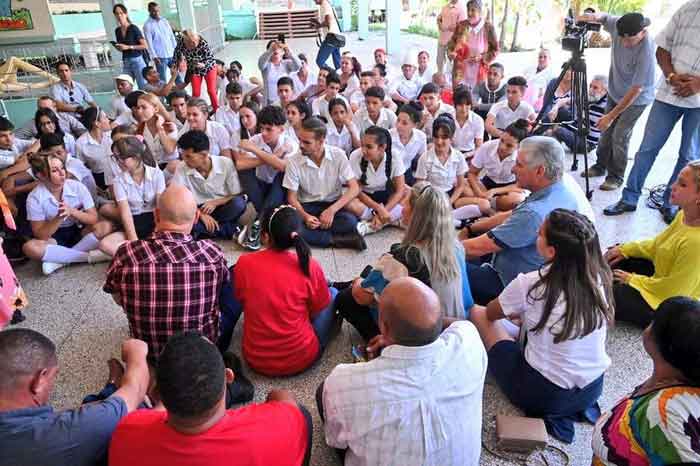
<point>125,77</point>
<point>631,24</point>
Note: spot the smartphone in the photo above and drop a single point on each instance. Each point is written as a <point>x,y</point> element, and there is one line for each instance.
<point>114,43</point>
<point>280,38</point>
<point>365,272</point>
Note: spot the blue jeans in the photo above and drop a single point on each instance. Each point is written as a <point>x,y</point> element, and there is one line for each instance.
<point>226,215</point>
<point>343,222</point>
<point>662,119</point>
<point>133,67</point>
<point>264,196</point>
<point>163,69</point>
<point>324,321</point>
<point>326,51</point>
<point>484,282</point>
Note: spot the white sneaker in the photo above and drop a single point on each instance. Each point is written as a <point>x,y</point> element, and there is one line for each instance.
<point>95,256</point>
<point>365,228</point>
<point>242,235</point>
<point>50,267</point>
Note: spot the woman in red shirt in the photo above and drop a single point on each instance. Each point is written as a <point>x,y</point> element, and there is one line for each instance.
<point>284,294</point>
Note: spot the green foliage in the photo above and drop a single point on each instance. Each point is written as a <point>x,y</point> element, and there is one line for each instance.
<point>422,30</point>
<point>619,7</point>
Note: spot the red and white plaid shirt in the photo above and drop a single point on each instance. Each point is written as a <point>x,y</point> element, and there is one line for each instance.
<point>168,283</point>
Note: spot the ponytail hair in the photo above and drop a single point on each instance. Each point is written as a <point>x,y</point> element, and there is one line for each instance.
<point>519,129</point>
<point>284,225</point>
<point>383,138</point>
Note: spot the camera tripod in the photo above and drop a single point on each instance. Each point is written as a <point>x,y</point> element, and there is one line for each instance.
<point>579,105</point>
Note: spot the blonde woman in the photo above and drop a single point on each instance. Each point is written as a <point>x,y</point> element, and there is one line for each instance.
<point>158,131</point>
<point>192,48</point>
<point>431,253</point>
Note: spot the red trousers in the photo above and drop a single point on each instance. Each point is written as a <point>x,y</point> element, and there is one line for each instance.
<point>210,79</point>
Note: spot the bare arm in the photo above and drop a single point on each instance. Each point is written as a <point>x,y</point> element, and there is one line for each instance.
<point>127,220</point>
<point>349,194</point>
<point>490,124</point>
<point>136,377</point>
<point>480,246</point>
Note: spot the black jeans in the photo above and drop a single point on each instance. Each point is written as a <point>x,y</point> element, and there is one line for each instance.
<point>358,315</point>
<point>630,305</point>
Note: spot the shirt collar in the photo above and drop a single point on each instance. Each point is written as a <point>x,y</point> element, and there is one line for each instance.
<point>171,236</point>
<point>216,168</point>
<point>147,175</point>
<point>326,156</point>
<point>536,195</point>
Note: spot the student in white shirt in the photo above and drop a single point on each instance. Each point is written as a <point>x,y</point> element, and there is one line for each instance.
<point>407,139</point>
<point>494,162</point>
<point>124,85</point>
<point>75,168</point>
<point>507,111</point>
<point>382,185</point>
<point>178,103</point>
<point>320,184</point>
<point>214,184</point>
<point>13,151</point>
<point>320,105</point>
<point>227,114</point>
<point>406,88</point>
<point>424,73</point>
<point>285,92</point>
<point>136,192</point>
<point>303,78</point>
<point>95,146</point>
<point>297,111</point>
<point>342,132</point>
<point>46,122</point>
<point>433,106</point>
<point>564,310</point>
<point>197,119</point>
<point>248,128</point>
<point>374,113</point>
<point>63,218</point>
<point>349,75</point>
<point>159,133</point>
<point>357,99</point>
<point>277,61</point>
<point>470,126</point>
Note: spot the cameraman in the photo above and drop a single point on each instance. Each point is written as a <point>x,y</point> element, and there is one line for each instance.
<point>630,90</point>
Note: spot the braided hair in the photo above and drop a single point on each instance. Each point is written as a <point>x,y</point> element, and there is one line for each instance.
<point>383,138</point>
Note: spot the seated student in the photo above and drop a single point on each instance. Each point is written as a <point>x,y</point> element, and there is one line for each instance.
<point>320,184</point>
<point>648,272</point>
<point>158,131</point>
<point>357,99</point>
<point>155,85</point>
<point>564,308</point>
<point>407,139</point>
<point>303,78</point>
<point>433,107</point>
<point>46,122</point>
<point>510,110</point>
<point>420,401</point>
<point>469,134</point>
<point>228,113</point>
<point>349,74</point>
<point>136,192</point>
<point>382,185</point>
<point>275,62</point>
<point>557,106</point>
<point>341,131</point>
<point>488,92</point>
<point>69,95</point>
<point>374,113</point>
<point>75,168</point>
<point>285,92</point>
<point>252,89</point>
<point>177,100</point>
<point>124,85</point>
<point>127,118</point>
<point>197,120</point>
<point>597,102</point>
<point>196,428</point>
<point>381,79</point>
<point>297,111</point>
<point>63,218</point>
<point>430,252</point>
<point>214,183</point>
<point>666,400</point>
<point>494,162</point>
<point>67,121</point>
<point>248,127</point>
<point>261,175</point>
<point>95,146</point>
<point>316,90</point>
<point>31,432</point>
<point>13,151</point>
<point>406,88</point>
<point>319,107</point>
<point>289,315</point>
<point>424,72</point>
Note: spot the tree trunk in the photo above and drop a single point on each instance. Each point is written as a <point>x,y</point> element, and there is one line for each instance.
<point>502,38</point>
<point>514,44</point>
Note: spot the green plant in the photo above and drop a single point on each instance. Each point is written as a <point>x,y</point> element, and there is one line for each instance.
<point>422,30</point>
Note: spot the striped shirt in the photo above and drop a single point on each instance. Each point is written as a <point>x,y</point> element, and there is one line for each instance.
<point>595,111</point>
<point>680,38</point>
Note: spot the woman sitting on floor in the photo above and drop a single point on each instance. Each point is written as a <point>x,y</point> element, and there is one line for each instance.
<point>94,146</point>
<point>648,272</point>
<point>285,297</point>
<point>657,423</point>
<point>159,133</point>
<point>429,251</point>
<point>563,309</point>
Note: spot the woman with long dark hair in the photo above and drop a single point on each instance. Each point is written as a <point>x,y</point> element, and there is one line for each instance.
<point>46,122</point>
<point>564,310</point>
<point>131,43</point>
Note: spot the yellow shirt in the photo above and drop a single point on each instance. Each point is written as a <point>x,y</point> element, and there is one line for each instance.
<point>675,253</point>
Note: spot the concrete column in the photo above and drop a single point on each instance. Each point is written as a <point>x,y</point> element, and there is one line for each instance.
<point>216,19</point>
<point>393,26</point>
<point>346,24</point>
<point>108,19</point>
<point>363,19</point>
<point>185,9</point>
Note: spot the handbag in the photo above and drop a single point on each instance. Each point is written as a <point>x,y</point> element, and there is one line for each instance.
<point>520,434</point>
<point>333,39</point>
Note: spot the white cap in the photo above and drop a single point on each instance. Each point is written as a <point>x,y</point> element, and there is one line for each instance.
<point>125,77</point>
<point>411,58</point>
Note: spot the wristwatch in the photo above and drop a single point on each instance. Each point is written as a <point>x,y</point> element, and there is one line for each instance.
<point>670,77</point>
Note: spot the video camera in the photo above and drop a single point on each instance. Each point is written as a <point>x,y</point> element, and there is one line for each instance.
<point>575,32</point>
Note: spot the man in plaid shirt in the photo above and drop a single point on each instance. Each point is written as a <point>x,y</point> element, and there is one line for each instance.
<point>169,283</point>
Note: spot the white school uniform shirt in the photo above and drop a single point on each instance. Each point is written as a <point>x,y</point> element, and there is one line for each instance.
<point>487,160</point>
<point>76,168</point>
<point>352,86</point>
<point>221,83</point>
<point>318,184</point>
<point>112,171</point>
<point>42,205</point>
<point>425,77</point>
<point>358,98</point>
<point>441,176</point>
<point>376,179</point>
<point>291,133</point>
<point>155,145</point>
<point>222,180</point>
<point>568,364</point>
<point>141,198</point>
<point>443,108</point>
<point>274,73</point>
<point>178,124</point>
<point>69,143</point>
<point>386,120</point>
<point>230,119</point>
<point>407,88</point>
<point>411,406</point>
<point>299,87</point>
<point>8,157</point>
<point>266,172</point>
<point>320,106</point>
<point>219,137</point>
<point>465,135</point>
<point>415,147</point>
<point>342,139</point>
<point>505,116</point>
<point>94,154</point>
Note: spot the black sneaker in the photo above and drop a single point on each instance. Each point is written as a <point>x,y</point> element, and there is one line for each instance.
<point>252,238</point>
<point>618,208</point>
<point>241,390</point>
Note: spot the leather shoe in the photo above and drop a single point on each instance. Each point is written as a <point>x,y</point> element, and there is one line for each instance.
<point>610,184</point>
<point>618,208</point>
<point>594,171</point>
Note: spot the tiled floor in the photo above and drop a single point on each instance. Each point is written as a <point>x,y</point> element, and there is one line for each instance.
<point>88,327</point>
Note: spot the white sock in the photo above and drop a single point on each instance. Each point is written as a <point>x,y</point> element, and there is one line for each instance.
<point>465,212</point>
<point>63,255</point>
<point>367,214</point>
<point>87,243</point>
<point>396,212</point>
